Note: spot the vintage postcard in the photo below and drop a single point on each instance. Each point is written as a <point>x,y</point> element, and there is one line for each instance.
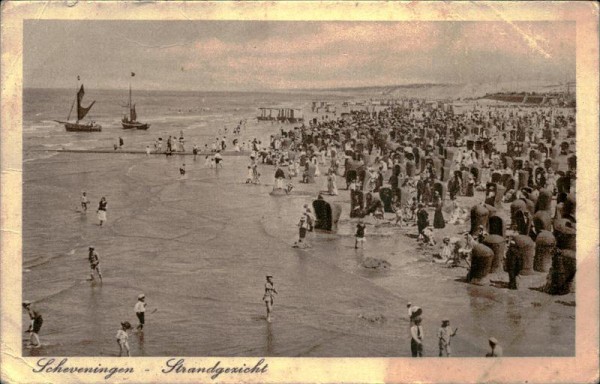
<point>273,192</point>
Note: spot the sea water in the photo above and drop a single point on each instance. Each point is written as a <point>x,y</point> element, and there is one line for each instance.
<point>199,249</point>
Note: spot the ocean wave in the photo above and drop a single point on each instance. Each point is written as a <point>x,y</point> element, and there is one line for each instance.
<point>61,291</point>
<point>33,156</point>
<point>57,145</point>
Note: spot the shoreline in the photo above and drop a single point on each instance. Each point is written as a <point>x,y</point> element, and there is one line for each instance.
<point>141,152</point>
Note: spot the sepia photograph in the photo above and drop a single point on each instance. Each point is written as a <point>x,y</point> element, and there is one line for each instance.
<point>266,188</point>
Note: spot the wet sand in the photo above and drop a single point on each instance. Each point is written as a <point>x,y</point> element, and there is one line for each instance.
<point>200,248</point>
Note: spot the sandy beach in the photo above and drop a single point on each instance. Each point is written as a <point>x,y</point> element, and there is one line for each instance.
<point>199,249</point>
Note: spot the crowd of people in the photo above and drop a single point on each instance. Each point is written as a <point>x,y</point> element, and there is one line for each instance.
<point>408,160</point>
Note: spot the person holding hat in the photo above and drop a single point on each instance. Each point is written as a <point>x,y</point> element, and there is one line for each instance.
<point>94,263</point>
<point>123,338</point>
<point>140,310</point>
<point>35,326</point>
<point>496,350</point>
<point>445,335</point>
<point>268,296</point>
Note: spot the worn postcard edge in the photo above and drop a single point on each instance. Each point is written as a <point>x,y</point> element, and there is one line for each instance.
<point>581,368</point>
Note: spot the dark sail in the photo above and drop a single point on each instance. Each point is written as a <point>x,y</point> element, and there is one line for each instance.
<point>133,114</point>
<point>82,111</point>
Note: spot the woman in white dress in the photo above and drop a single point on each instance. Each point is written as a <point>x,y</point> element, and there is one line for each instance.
<point>316,164</point>
<point>331,183</point>
<point>102,210</point>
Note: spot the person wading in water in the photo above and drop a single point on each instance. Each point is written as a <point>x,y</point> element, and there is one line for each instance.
<point>268,297</point>
<point>94,263</point>
<point>35,326</point>
<point>102,210</point>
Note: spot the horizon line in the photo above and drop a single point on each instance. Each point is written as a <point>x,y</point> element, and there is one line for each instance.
<point>265,89</point>
<point>331,89</point>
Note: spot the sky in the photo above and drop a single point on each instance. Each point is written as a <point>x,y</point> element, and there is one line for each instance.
<point>269,55</point>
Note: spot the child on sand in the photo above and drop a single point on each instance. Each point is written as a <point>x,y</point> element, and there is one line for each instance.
<point>250,175</point>
<point>445,335</point>
<point>427,236</point>
<point>302,228</point>
<point>310,218</point>
<point>399,215</point>
<point>289,188</point>
<point>256,174</point>
<point>447,250</point>
<point>464,252</point>
<point>140,310</point>
<point>446,253</point>
<point>84,202</point>
<point>123,338</point>
<point>360,235</point>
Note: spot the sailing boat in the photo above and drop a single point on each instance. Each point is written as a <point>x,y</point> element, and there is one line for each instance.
<point>131,122</point>
<point>81,112</point>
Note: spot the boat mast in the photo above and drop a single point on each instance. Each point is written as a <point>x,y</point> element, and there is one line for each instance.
<point>130,114</point>
<point>73,104</point>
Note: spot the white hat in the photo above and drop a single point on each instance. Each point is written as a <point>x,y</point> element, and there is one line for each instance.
<point>493,340</point>
<point>141,296</point>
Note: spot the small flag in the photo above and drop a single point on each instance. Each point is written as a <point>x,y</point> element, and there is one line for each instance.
<point>78,78</point>
<point>132,74</point>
